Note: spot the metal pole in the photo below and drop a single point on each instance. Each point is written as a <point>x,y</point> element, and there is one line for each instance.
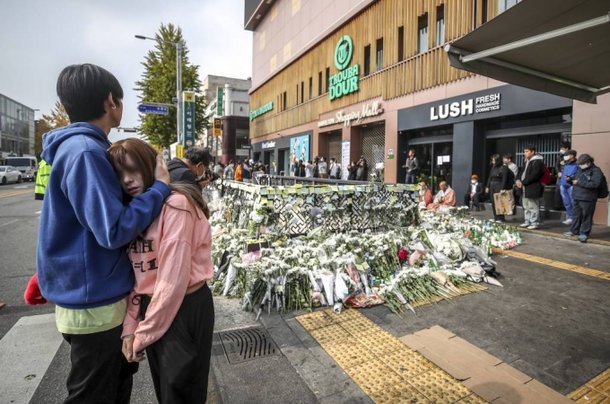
<point>179,91</point>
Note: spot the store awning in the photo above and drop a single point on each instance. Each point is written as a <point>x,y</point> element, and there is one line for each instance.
<point>560,47</point>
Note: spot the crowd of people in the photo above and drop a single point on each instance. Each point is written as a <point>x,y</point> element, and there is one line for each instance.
<point>580,182</point>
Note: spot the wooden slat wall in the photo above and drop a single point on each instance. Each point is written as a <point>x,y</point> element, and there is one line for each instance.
<point>417,72</point>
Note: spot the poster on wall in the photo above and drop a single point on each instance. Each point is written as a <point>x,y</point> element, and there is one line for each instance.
<point>299,148</point>
<point>345,156</point>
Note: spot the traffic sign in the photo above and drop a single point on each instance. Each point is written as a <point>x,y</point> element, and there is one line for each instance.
<point>153,109</point>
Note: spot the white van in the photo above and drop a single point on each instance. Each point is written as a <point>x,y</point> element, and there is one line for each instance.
<point>28,165</point>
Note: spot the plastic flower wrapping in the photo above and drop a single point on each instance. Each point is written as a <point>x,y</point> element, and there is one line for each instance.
<point>437,255</point>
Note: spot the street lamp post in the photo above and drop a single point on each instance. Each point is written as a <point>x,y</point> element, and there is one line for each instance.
<point>178,46</point>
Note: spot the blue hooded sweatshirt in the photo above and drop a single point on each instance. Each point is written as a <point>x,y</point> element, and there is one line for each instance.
<point>82,258</point>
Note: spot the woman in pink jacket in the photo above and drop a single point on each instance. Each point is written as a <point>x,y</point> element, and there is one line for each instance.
<point>170,310</point>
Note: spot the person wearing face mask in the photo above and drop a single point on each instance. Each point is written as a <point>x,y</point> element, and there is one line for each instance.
<point>425,195</point>
<point>586,182</point>
<point>473,197</point>
<point>568,171</point>
<point>557,198</point>
<point>192,168</point>
<point>529,182</point>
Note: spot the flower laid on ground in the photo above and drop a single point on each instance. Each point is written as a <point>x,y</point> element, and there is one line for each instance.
<point>434,256</point>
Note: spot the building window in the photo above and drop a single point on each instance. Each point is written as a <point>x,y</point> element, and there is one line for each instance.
<point>401,43</point>
<point>327,78</point>
<point>284,100</point>
<point>319,83</point>
<point>504,5</point>
<point>367,60</point>
<point>310,88</point>
<point>422,33</point>
<point>379,48</point>
<point>440,25</point>
<point>484,11</point>
<point>302,90</point>
<point>297,93</point>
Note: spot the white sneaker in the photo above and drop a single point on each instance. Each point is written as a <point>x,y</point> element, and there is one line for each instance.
<point>526,224</point>
<point>532,227</point>
<point>567,221</point>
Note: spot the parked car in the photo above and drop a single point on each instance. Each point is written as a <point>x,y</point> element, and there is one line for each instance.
<point>9,174</point>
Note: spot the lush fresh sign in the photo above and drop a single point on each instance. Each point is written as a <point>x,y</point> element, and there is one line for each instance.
<point>261,110</point>
<point>346,81</point>
<point>485,103</point>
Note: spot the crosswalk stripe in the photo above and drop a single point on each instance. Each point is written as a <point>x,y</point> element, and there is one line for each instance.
<point>26,351</point>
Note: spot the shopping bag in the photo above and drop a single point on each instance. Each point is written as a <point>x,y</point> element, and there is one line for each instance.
<point>504,202</point>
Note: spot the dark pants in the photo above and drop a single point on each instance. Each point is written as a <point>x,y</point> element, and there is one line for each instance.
<point>99,372</point>
<point>476,199</point>
<point>180,360</point>
<point>411,178</point>
<point>583,217</point>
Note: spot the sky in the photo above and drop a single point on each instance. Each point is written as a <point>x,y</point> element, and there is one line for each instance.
<point>38,38</point>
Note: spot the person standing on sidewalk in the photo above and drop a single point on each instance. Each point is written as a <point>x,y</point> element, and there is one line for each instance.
<point>568,170</point>
<point>170,311</point>
<point>192,167</point>
<point>586,182</point>
<point>82,261</point>
<point>412,168</point>
<point>532,187</point>
<point>499,181</point>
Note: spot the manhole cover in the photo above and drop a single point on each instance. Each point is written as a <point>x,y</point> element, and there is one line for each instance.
<point>247,343</point>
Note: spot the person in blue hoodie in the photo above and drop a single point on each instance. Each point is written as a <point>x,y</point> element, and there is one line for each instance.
<point>568,170</point>
<point>85,228</point>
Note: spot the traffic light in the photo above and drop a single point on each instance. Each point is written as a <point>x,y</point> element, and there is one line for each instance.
<point>217,127</point>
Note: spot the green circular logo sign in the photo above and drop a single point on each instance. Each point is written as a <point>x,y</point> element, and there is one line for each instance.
<point>343,52</point>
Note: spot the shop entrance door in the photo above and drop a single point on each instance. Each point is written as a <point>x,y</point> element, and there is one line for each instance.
<point>435,162</point>
<point>283,165</point>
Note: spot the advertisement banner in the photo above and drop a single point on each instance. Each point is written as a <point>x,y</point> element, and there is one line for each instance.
<point>299,148</point>
<point>188,118</point>
<point>345,156</point>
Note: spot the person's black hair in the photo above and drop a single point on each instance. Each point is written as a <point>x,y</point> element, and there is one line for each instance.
<point>572,152</point>
<point>530,147</point>
<point>508,156</point>
<point>82,90</point>
<point>497,160</point>
<point>566,145</point>
<point>584,159</point>
<point>198,155</point>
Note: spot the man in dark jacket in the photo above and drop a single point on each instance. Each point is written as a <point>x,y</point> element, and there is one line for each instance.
<point>531,186</point>
<point>586,182</point>
<point>192,167</point>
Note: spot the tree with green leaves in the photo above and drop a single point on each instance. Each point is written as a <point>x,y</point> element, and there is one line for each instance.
<point>56,119</point>
<point>158,84</point>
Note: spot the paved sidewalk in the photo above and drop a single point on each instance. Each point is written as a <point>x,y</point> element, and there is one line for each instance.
<point>550,226</point>
<point>548,322</point>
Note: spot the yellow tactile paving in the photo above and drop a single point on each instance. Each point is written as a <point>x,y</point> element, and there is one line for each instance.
<point>555,264</point>
<point>386,369</point>
<point>596,390</point>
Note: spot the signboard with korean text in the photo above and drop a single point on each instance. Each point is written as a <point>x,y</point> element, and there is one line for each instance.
<point>188,118</point>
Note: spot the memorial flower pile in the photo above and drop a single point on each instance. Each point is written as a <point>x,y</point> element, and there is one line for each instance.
<point>439,256</point>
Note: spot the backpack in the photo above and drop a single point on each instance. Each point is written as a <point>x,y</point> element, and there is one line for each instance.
<point>602,191</point>
<point>546,178</point>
